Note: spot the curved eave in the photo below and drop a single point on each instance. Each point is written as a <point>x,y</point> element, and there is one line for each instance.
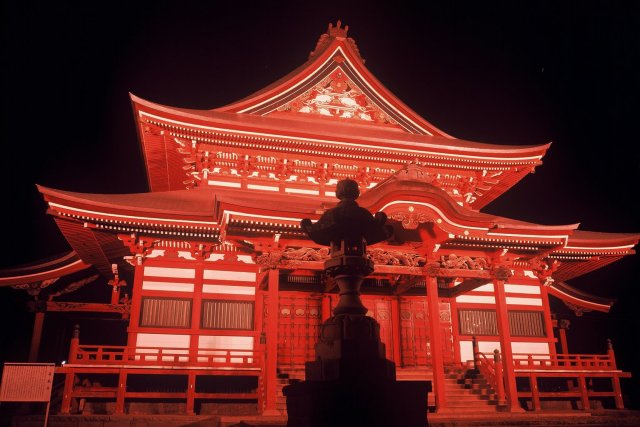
<point>53,268</point>
<point>580,298</point>
<point>587,251</point>
<point>181,207</point>
<point>341,47</point>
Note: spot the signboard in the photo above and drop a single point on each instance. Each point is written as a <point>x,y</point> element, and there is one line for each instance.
<point>26,382</point>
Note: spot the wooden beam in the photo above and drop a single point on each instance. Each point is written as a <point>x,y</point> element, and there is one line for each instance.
<point>467,285</point>
<point>87,307</point>
<point>262,279</point>
<point>406,282</point>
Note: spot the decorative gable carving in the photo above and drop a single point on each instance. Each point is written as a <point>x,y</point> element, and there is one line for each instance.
<point>337,96</point>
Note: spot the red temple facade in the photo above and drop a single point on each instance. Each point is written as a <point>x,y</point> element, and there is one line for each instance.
<point>228,293</point>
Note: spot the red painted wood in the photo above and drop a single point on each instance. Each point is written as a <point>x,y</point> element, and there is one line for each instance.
<point>437,356</point>
<point>414,331</point>
<point>505,345</point>
<point>380,309</point>
<point>395,324</point>
<point>299,320</point>
<point>271,360</point>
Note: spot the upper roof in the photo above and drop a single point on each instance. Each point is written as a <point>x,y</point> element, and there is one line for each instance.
<point>328,119</point>
<point>335,83</point>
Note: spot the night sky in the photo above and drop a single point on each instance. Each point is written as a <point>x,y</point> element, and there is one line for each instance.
<point>502,73</point>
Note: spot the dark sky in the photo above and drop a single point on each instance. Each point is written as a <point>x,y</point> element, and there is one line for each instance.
<point>504,73</point>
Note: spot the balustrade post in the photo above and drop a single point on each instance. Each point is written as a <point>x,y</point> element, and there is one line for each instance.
<point>191,394</point>
<point>497,364</point>
<point>67,392</point>
<point>584,393</point>
<point>535,393</point>
<point>611,354</point>
<point>476,352</point>
<point>120,392</point>
<point>615,381</point>
<point>75,343</point>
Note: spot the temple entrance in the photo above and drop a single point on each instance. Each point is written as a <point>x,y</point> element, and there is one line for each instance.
<point>380,309</point>
<point>298,328</point>
<point>414,332</point>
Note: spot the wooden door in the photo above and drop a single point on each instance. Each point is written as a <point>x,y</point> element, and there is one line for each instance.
<point>414,331</point>
<point>298,328</point>
<point>380,309</point>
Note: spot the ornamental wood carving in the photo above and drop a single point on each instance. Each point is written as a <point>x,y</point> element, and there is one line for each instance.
<point>577,310</point>
<point>334,31</point>
<point>463,262</point>
<point>337,96</point>
<point>410,219</point>
<point>296,256</point>
<point>382,257</point>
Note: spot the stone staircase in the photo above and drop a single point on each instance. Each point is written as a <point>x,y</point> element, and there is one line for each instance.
<point>469,392</point>
<point>465,391</point>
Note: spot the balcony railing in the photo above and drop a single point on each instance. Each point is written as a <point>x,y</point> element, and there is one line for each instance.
<point>563,362</point>
<point>122,355</point>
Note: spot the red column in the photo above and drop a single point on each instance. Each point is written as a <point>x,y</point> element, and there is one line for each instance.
<point>69,379</point>
<point>435,332</point>
<point>395,325</point>
<point>191,392</point>
<point>505,345</point>
<point>271,368</point>
<point>122,389</point>
<point>562,333</point>
<point>548,321</point>
<point>136,302</point>
<point>615,381</point>
<point>196,309</point>
<point>584,394</point>
<point>36,336</point>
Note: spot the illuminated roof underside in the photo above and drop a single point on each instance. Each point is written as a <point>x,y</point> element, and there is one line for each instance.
<point>233,215</point>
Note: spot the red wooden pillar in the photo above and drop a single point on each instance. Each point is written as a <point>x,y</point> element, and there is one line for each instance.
<point>505,345</point>
<point>136,303</point>
<point>271,366</point>
<point>437,360</point>
<point>563,325</point>
<point>191,393</point>
<point>120,393</point>
<point>548,321</point>
<point>615,381</point>
<point>36,336</point>
<point>584,394</point>
<point>395,325</point>
<point>196,309</point>
<point>535,392</point>
<point>69,380</point>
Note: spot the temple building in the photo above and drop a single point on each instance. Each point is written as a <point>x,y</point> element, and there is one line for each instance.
<point>225,294</point>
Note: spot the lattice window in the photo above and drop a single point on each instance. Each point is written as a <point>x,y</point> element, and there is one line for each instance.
<point>526,324</point>
<point>218,314</point>
<point>165,312</point>
<point>478,322</point>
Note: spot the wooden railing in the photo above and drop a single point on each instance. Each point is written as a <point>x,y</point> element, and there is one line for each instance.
<point>112,355</point>
<point>563,361</point>
<point>491,369</point>
<point>576,369</point>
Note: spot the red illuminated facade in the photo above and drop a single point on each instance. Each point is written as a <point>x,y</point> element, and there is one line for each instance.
<point>227,289</point>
